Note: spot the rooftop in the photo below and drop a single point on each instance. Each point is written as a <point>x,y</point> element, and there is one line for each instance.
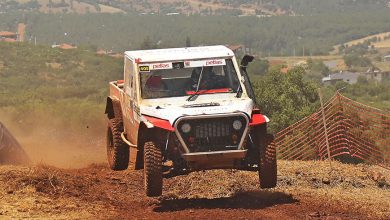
<point>7,33</point>
<point>176,54</point>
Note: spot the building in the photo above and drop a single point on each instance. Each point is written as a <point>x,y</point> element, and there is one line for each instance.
<point>238,49</point>
<point>352,78</point>
<point>7,36</point>
<point>377,75</point>
<point>63,46</point>
<point>386,58</point>
<point>348,77</point>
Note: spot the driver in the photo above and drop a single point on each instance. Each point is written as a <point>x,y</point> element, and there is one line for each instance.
<point>208,81</point>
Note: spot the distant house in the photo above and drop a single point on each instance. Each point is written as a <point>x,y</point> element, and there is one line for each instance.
<point>351,77</point>
<point>64,46</point>
<point>377,75</point>
<point>284,70</point>
<point>239,49</point>
<point>348,77</point>
<point>7,36</point>
<point>386,58</point>
<point>172,13</point>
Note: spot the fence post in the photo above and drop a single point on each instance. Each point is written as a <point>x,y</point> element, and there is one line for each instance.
<point>325,128</point>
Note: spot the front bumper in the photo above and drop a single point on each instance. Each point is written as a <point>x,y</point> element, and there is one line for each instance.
<point>215,155</point>
<point>231,159</point>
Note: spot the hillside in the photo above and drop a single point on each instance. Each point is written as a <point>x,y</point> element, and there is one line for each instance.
<point>381,40</point>
<point>274,36</point>
<point>149,6</point>
<point>52,100</point>
<point>204,7</point>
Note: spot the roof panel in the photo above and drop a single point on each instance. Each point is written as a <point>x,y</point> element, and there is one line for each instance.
<point>172,54</point>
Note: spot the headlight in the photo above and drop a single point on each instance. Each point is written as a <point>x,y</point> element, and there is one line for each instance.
<point>186,128</point>
<point>237,125</point>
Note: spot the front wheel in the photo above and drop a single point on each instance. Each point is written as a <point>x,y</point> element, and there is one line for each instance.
<point>117,150</point>
<point>153,178</point>
<point>267,164</point>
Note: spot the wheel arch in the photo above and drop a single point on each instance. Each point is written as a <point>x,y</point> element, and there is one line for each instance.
<point>146,134</point>
<point>113,108</point>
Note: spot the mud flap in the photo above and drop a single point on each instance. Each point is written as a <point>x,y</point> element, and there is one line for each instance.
<point>11,151</point>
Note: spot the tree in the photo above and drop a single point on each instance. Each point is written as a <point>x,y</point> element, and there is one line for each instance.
<point>188,42</point>
<point>147,44</point>
<point>285,98</point>
<point>259,67</point>
<point>316,69</point>
<point>356,60</point>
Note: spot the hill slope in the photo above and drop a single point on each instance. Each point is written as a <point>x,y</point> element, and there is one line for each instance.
<point>52,100</point>
<point>205,7</point>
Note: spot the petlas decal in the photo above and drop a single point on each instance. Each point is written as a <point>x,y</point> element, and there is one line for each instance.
<point>160,66</point>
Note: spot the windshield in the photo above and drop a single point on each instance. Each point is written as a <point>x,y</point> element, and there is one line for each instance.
<point>160,80</point>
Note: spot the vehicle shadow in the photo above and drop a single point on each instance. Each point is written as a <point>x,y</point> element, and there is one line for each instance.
<point>258,199</point>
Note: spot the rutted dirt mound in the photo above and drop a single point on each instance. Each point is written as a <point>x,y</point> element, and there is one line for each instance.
<point>305,190</point>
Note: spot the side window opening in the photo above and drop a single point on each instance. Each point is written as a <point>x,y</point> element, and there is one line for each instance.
<point>129,77</point>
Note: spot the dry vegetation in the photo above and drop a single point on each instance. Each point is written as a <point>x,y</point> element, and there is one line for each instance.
<point>79,7</point>
<point>380,44</point>
<point>305,190</point>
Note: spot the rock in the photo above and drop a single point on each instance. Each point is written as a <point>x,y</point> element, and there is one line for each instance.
<point>326,181</point>
<point>376,176</point>
<point>315,214</point>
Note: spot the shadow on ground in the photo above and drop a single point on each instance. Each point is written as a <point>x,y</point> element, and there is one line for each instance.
<point>242,200</point>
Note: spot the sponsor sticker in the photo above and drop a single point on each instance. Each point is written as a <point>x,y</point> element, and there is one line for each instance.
<point>144,68</point>
<point>161,66</point>
<point>200,63</point>
<point>219,62</point>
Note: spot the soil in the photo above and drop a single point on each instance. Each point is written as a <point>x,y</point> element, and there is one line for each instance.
<point>306,190</point>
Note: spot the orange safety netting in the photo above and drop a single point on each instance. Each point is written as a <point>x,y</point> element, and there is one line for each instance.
<point>355,132</point>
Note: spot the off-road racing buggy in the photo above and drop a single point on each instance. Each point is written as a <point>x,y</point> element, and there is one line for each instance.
<point>186,109</point>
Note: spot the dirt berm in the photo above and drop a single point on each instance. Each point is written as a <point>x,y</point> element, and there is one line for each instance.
<point>306,190</point>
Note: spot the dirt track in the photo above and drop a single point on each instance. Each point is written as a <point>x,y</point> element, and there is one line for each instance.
<point>305,191</point>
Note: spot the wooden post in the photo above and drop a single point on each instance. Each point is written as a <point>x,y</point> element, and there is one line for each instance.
<point>325,128</point>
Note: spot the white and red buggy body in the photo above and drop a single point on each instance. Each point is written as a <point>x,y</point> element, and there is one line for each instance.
<point>188,107</point>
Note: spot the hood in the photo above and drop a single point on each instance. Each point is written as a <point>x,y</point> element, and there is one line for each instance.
<point>171,109</point>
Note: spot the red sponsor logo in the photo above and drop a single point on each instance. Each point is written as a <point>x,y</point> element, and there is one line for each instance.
<point>161,66</point>
<point>214,62</point>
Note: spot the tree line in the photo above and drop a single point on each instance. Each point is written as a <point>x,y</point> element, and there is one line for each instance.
<point>274,36</point>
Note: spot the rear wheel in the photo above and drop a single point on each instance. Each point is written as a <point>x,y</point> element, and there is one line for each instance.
<point>117,150</point>
<point>153,169</point>
<point>267,158</point>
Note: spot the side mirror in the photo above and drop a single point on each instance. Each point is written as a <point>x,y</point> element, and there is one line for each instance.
<point>246,60</point>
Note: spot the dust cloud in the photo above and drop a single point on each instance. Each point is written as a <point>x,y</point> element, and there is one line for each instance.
<point>56,144</point>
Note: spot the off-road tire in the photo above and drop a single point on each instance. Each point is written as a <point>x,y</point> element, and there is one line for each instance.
<point>153,178</point>
<point>267,158</point>
<point>117,150</point>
